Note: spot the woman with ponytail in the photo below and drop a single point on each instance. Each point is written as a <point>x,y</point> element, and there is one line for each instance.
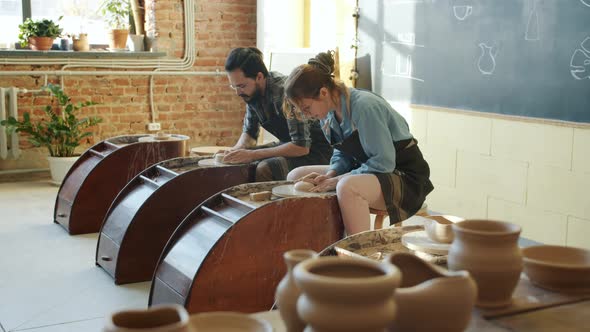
<point>376,161</point>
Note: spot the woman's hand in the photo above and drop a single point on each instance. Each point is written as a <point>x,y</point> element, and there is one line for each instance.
<point>324,184</point>
<point>310,178</point>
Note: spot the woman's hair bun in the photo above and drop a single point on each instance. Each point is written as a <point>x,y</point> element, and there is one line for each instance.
<point>323,61</point>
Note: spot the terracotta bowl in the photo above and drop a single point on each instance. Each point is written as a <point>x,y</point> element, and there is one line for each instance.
<point>558,268</point>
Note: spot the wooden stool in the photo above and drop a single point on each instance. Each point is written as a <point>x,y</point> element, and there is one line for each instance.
<point>379,216</point>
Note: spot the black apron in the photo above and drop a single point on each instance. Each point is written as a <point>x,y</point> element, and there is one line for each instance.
<point>405,189</point>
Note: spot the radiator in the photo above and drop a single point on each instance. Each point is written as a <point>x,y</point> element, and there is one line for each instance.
<point>8,107</point>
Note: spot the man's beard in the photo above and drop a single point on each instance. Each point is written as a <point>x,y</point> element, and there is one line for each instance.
<point>252,97</point>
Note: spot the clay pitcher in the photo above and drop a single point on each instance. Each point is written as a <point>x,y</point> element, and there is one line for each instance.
<point>162,318</point>
<point>287,291</point>
<point>431,298</point>
<point>489,251</point>
<point>346,294</point>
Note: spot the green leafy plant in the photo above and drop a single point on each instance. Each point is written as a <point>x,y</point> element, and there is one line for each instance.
<point>116,13</point>
<point>40,28</point>
<point>63,131</point>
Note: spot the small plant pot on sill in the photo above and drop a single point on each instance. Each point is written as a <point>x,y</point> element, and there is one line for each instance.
<point>40,43</point>
<point>59,167</point>
<point>136,43</point>
<point>80,43</point>
<point>118,39</point>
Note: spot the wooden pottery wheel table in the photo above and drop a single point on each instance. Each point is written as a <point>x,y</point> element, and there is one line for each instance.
<point>102,171</point>
<point>227,254</point>
<point>150,207</point>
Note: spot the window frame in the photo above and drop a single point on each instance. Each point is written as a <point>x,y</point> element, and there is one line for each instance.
<point>27,9</point>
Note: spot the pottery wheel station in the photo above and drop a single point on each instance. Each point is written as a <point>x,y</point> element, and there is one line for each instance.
<point>150,207</point>
<point>100,174</point>
<point>227,254</point>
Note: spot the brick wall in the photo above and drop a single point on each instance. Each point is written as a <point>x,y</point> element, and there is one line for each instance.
<point>202,107</point>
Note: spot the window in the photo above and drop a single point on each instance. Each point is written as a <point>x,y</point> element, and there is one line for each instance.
<point>79,16</point>
<point>10,17</point>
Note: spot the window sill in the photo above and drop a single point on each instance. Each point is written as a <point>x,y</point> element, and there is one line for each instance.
<point>94,54</point>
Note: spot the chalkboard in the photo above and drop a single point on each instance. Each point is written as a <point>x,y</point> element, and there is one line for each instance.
<point>520,57</point>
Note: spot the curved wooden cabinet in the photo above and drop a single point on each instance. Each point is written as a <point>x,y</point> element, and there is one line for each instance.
<point>146,212</point>
<point>102,171</point>
<point>228,253</point>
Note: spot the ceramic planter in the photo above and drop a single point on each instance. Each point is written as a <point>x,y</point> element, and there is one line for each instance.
<point>59,167</point>
<point>40,43</point>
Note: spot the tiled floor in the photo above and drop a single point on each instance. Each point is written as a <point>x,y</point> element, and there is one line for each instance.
<point>48,279</point>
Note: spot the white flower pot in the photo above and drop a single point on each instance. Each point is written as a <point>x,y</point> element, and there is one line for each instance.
<point>59,167</point>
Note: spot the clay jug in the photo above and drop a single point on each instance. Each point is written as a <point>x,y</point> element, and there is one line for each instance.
<point>162,318</point>
<point>287,291</point>
<point>431,298</point>
<point>346,294</point>
<point>489,250</point>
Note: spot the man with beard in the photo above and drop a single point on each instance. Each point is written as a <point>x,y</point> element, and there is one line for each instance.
<point>301,142</point>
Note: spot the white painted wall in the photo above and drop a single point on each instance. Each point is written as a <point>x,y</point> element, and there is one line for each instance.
<point>533,174</point>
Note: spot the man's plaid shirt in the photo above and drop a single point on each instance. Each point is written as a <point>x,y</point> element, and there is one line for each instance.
<point>261,110</point>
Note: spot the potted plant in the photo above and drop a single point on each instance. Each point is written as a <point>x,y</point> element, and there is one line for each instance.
<point>61,132</point>
<point>39,34</point>
<point>116,13</point>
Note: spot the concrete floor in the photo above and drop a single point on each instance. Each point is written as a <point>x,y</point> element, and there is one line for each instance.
<point>48,279</point>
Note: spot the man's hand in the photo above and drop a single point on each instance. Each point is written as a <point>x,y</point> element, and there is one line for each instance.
<point>240,156</point>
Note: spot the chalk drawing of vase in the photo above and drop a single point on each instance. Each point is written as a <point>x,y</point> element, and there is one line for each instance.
<point>580,65</point>
<point>487,59</point>
<point>532,27</point>
<point>462,12</point>
<point>586,44</point>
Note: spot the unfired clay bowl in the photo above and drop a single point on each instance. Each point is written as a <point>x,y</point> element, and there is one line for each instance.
<point>160,318</point>
<point>438,228</point>
<point>558,268</point>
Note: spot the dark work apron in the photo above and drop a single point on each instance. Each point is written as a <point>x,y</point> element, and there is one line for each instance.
<point>277,168</point>
<point>405,189</point>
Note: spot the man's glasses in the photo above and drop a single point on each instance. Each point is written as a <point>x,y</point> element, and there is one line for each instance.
<point>238,86</point>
